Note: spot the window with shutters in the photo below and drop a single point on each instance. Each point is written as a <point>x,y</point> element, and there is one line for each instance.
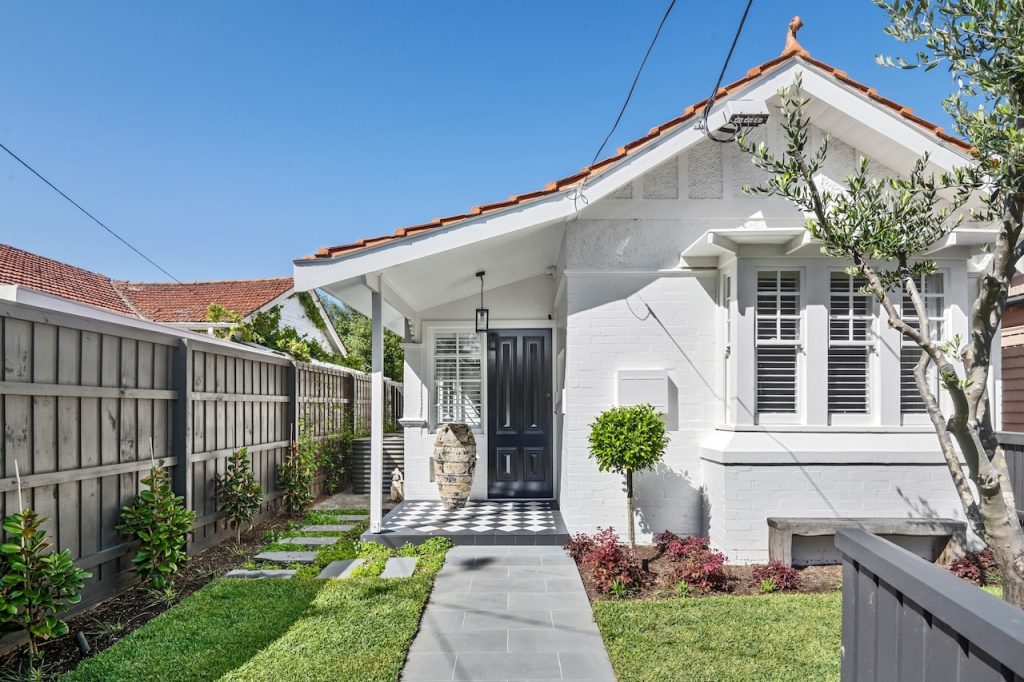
<point>851,343</point>
<point>457,378</point>
<point>932,290</point>
<point>778,341</point>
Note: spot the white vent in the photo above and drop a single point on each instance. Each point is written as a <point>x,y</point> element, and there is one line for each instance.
<point>778,331</point>
<point>850,345</point>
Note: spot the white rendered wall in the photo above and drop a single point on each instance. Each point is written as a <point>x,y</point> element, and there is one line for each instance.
<point>294,315</point>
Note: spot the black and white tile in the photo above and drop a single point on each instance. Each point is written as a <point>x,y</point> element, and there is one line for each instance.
<point>477,517</point>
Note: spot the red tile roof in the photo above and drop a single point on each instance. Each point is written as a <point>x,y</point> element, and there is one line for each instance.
<point>53,277</point>
<point>154,301</point>
<point>188,302</point>
<point>793,51</point>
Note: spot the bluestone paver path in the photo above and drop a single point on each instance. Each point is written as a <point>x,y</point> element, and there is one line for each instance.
<point>508,613</point>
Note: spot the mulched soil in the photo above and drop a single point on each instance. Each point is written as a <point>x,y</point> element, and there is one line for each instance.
<point>813,579</point>
<point>133,608</point>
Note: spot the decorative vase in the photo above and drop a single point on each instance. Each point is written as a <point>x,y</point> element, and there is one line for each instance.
<point>454,464</point>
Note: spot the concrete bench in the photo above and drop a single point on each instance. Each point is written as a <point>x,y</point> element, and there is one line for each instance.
<point>782,529</point>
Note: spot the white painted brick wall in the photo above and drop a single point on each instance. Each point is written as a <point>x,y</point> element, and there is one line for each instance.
<point>609,328</point>
<point>740,498</point>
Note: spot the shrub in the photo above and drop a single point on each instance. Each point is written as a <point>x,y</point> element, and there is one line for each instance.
<point>36,583</point>
<point>767,586</point>
<point>627,439</point>
<point>783,577</point>
<point>682,589</point>
<point>663,539</point>
<point>296,472</point>
<point>238,492</point>
<point>159,524</point>
<point>579,546</point>
<point>335,455</point>
<point>618,590</point>
<point>680,548</point>
<point>978,567</point>
<point>698,565</point>
<point>611,561</point>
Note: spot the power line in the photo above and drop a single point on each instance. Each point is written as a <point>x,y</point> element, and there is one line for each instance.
<point>94,218</point>
<point>629,95</point>
<point>721,75</point>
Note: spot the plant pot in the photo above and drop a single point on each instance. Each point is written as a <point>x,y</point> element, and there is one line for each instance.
<point>454,464</point>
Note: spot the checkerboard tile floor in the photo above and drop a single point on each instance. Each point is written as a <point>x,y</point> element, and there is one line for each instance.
<point>483,517</point>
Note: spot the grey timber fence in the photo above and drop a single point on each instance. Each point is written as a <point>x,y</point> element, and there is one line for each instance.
<point>907,619</point>
<point>1013,447</point>
<point>86,401</point>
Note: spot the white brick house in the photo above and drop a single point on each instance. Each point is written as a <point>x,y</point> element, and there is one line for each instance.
<point>784,392</point>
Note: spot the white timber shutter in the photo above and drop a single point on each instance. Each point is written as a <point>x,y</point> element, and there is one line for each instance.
<point>778,342</point>
<point>932,290</point>
<point>457,378</point>
<point>851,341</point>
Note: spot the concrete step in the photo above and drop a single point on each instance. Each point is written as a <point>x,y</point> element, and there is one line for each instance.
<point>400,567</point>
<point>326,528</point>
<point>286,557</point>
<point>308,541</point>
<point>340,569</point>
<point>265,574</point>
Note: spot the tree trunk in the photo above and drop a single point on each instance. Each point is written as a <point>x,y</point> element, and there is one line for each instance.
<point>629,507</point>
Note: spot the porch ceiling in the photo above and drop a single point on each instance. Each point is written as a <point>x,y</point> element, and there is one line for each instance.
<point>421,282</point>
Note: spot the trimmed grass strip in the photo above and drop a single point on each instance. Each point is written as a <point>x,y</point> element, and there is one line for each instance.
<point>717,639</point>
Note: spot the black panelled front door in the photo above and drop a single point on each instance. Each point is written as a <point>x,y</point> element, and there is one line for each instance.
<point>519,461</point>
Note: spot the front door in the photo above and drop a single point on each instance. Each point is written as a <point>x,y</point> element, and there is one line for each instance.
<point>519,460</point>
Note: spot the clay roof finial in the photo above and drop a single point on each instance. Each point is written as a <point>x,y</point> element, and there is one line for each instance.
<point>792,44</point>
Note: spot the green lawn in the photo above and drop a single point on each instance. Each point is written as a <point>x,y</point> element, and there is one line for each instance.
<point>772,637</point>
<point>298,629</point>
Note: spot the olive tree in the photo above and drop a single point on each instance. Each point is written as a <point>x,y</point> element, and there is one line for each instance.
<point>625,440</point>
<point>885,226</point>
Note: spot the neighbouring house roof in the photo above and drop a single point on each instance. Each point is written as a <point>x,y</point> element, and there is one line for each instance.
<point>189,301</point>
<point>153,301</point>
<point>60,279</point>
<point>793,51</point>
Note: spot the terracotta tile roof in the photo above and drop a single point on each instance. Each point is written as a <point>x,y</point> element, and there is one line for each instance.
<point>60,279</point>
<point>793,51</point>
<point>188,302</point>
<point>154,301</point>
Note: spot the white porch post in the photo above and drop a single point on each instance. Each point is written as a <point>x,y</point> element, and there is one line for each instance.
<point>377,410</point>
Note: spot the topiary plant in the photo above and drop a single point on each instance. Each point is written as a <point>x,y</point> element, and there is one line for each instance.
<point>159,524</point>
<point>36,583</point>
<point>238,492</point>
<point>625,440</point>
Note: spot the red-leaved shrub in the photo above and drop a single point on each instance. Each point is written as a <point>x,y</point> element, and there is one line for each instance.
<point>610,560</point>
<point>978,567</point>
<point>784,577</point>
<point>662,541</point>
<point>579,546</point>
<point>698,565</point>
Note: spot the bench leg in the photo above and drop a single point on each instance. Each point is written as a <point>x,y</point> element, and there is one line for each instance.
<point>780,546</point>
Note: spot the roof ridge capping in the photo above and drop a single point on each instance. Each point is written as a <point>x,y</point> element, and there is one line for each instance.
<point>791,50</point>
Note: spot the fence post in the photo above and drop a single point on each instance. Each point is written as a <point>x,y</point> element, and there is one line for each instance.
<point>181,425</point>
<point>349,391</point>
<point>294,410</point>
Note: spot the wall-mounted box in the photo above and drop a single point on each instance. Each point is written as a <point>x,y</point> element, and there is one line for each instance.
<point>642,387</point>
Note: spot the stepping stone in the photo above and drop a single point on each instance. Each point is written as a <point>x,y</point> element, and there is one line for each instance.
<point>327,528</point>
<point>261,574</point>
<point>400,567</point>
<point>309,542</point>
<point>352,517</point>
<point>340,569</point>
<point>286,557</point>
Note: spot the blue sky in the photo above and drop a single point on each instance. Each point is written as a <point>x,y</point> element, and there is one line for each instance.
<point>225,139</point>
